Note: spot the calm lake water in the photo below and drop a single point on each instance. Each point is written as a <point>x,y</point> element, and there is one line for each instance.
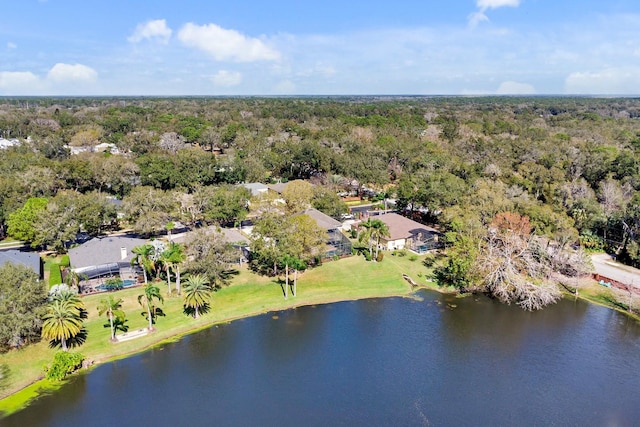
<point>387,362</point>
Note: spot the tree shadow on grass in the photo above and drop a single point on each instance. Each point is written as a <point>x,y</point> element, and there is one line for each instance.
<point>282,283</point>
<point>156,312</point>
<point>5,374</point>
<point>190,311</point>
<point>72,342</point>
<point>118,325</point>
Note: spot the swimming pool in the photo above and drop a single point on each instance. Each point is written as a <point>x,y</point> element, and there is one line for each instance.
<point>125,284</point>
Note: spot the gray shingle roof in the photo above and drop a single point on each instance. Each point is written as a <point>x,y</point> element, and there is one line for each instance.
<point>28,259</point>
<point>104,250</point>
<point>324,221</point>
<point>256,188</point>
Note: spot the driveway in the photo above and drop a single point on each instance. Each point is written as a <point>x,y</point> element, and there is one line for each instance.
<point>606,266</point>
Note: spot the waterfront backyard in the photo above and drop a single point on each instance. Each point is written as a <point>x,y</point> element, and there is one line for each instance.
<point>348,279</point>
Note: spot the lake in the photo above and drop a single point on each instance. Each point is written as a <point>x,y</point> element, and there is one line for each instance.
<point>433,360</point>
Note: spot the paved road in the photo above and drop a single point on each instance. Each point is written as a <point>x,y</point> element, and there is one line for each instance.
<point>605,265</point>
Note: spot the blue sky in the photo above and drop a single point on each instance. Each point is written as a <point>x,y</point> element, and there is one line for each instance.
<point>329,47</point>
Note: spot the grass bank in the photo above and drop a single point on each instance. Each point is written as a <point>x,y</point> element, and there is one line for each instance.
<point>348,279</point>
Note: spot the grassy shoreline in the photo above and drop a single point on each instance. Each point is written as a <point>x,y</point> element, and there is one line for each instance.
<point>249,295</point>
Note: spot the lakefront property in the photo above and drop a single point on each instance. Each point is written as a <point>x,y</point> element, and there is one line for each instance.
<point>215,210</point>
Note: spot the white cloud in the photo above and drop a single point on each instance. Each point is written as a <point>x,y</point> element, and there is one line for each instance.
<point>151,30</point>
<point>484,5</point>
<point>611,81</point>
<point>17,79</point>
<point>226,78</point>
<point>494,4</point>
<point>226,45</point>
<point>11,45</point>
<point>71,73</point>
<point>515,88</point>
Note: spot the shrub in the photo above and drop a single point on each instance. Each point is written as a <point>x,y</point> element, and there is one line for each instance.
<point>429,261</point>
<point>413,257</point>
<point>380,257</point>
<point>402,252</point>
<point>367,255</point>
<point>64,363</point>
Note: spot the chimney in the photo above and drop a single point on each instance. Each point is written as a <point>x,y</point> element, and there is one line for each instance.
<point>123,253</point>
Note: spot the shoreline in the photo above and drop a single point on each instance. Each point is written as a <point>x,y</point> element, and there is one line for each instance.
<point>21,398</point>
<point>315,288</point>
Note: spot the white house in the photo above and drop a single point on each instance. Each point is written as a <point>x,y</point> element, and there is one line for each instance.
<point>405,233</point>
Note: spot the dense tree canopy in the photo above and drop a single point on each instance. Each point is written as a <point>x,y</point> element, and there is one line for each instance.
<point>23,300</point>
<point>569,164</point>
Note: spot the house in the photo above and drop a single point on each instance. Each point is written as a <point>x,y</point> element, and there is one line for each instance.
<point>105,256</point>
<point>257,188</point>
<point>278,187</point>
<point>405,233</point>
<point>31,260</point>
<point>337,243</point>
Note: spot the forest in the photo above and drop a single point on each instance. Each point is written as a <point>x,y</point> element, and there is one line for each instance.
<point>498,175</point>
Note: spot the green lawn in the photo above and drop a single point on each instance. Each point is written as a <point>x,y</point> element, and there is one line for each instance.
<point>348,279</point>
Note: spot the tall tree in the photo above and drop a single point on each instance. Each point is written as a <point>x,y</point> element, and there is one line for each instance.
<point>212,256</point>
<point>172,258</point>
<point>143,256</point>
<point>146,300</point>
<point>22,223</point>
<point>197,292</point>
<point>113,309</point>
<point>297,195</point>
<point>378,230</point>
<point>62,322</point>
<point>23,301</point>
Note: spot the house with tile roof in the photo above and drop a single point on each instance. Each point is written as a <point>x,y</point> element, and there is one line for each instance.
<point>405,233</point>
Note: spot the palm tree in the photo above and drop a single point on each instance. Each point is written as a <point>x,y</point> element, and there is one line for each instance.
<point>73,279</point>
<point>298,264</point>
<point>113,309</point>
<point>197,292</point>
<point>175,255</point>
<point>365,235</point>
<point>72,298</point>
<point>62,322</point>
<point>171,258</point>
<point>144,258</point>
<point>150,294</point>
<point>378,230</point>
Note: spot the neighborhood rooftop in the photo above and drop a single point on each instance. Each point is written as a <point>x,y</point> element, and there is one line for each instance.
<point>401,227</point>
<point>105,250</point>
<point>324,221</point>
<point>28,259</point>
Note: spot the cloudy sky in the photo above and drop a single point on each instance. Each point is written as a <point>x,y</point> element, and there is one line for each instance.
<point>328,47</point>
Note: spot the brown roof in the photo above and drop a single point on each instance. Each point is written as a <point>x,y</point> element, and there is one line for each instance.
<point>401,227</point>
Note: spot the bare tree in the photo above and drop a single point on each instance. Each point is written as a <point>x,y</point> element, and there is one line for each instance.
<point>513,273</point>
